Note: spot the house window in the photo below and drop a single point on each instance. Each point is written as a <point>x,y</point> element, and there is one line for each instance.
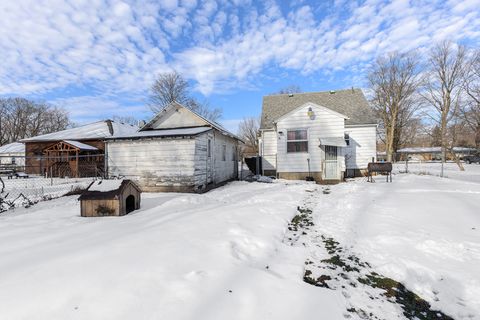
<point>224,153</point>
<point>297,141</point>
<point>209,148</point>
<point>347,139</point>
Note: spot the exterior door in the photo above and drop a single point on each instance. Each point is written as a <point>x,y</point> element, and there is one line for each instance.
<point>331,163</point>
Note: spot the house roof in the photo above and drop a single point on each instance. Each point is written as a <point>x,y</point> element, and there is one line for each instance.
<point>15,147</point>
<point>349,102</point>
<point>178,132</point>
<point>92,131</point>
<point>79,145</point>
<point>174,104</point>
<point>106,189</point>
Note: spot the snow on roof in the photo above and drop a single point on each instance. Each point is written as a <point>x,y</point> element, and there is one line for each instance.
<point>81,146</point>
<point>105,185</point>
<point>15,147</point>
<point>164,133</point>
<point>95,130</point>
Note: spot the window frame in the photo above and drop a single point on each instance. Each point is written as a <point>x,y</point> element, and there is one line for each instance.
<point>224,152</point>
<point>302,140</point>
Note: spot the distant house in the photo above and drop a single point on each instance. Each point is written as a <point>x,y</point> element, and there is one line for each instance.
<point>325,135</point>
<point>74,152</point>
<point>177,150</point>
<point>12,154</point>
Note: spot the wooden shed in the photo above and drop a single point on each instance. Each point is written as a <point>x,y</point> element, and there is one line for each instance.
<point>110,198</point>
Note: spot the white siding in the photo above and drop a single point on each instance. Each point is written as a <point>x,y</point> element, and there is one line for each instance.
<point>362,146</point>
<point>214,169</point>
<point>269,150</point>
<point>324,124</point>
<point>154,162</point>
<point>178,118</point>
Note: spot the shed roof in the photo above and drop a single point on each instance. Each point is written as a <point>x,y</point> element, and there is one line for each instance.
<point>91,131</point>
<point>79,145</point>
<point>349,102</point>
<point>178,132</point>
<point>106,189</point>
<point>15,147</point>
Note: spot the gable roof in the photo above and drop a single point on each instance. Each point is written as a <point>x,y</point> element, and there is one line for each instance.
<point>311,104</point>
<point>14,147</point>
<point>349,102</point>
<point>92,131</point>
<point>177,132</point>
<point>174,104</point>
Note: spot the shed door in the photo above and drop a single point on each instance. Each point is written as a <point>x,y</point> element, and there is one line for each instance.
<point>331,163</point>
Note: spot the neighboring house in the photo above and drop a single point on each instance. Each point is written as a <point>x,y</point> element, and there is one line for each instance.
<point>177,150</point>
<point>12,154</point>
<point>72,152</point>
<point>325,135</point>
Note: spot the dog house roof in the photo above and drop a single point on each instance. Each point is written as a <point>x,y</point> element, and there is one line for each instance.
<point>106,189</point>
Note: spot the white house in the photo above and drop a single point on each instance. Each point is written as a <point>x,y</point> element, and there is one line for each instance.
<point>325,135</point>
<point>177,150</point>
<point>12,154</point>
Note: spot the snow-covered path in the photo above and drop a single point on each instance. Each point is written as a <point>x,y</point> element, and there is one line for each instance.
<point>421,230</point>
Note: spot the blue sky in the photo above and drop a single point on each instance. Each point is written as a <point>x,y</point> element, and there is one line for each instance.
<point>98,58</point>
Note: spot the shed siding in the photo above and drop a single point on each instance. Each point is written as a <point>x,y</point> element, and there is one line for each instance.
<point>154,164</point>
<point>324,124</point>
<point>214,169</point>
<point>269,150</point>
<point>362,146</point>
<point>178,118</point>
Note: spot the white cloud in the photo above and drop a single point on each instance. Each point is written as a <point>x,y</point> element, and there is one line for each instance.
<point>119,46</point>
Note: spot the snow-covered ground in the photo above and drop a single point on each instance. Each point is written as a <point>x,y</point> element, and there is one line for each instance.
<point>227,254</point>
<point>451,170</point>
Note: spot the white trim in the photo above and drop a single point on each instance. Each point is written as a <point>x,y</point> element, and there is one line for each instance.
<point>307,140</point>
<point>310,104</point>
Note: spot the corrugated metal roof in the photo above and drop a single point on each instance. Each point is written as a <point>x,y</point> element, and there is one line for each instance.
<point>164,133</point>
<point>350,102</point>
<point>15,147</point>
<point>81,146</point>
<point>96,130</point>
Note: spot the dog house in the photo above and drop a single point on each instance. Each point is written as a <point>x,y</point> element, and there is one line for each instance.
<point>110,198</point>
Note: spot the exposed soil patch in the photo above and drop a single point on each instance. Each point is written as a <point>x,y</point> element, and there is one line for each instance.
<point>331,266</point>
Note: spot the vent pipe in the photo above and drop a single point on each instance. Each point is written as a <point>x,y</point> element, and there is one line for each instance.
<point>110,126</point>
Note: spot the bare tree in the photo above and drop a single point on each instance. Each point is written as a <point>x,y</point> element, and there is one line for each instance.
<point>394,80</point>
<point>248,130</point>
<point>292,88</point>
<point>204,109</point>
<point>167,88</point>
<point>444,89</point>
<point>170,87</point>
<point>125,119</point>
<point>471,110</point>
<point>21,118</point>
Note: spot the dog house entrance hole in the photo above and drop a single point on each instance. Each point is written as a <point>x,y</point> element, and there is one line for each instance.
<point>130,203</point>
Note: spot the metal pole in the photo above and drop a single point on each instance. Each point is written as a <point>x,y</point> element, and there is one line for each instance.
<point>406,164</point>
